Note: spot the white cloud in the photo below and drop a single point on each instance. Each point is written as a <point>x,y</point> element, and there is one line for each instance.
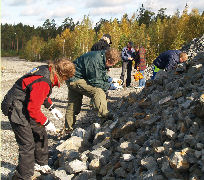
<point>173,5</point>
<point>4,14</point>
<point>31,11</point>
<point>19,2</point>
<point>107,11</point>
<point>106,3</point>
<point>196,4</point>
<point>61,12</point>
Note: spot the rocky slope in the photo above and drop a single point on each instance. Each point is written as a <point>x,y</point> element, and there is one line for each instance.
<point>157,132</point>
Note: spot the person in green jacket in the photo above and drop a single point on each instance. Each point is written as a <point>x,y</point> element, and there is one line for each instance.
<point>91,80</point>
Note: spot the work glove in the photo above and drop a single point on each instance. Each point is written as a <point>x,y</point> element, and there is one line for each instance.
<point>56,113</point>
<point>49,126</point>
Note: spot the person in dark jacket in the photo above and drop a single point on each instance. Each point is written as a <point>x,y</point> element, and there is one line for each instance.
<point>22,105</point>
<point>128,55</point>
<point>91,80</point>
<point>140,64</point>
<point>103,43</point>
<point>168,60</point>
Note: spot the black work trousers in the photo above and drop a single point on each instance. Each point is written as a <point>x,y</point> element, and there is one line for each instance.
<point>32,140</point>
<point>126,66</point>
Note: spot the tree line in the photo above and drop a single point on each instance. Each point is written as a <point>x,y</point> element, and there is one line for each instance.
<point>156,32</point>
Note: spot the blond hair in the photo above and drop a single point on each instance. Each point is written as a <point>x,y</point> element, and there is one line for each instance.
<point>183,56</point>
<point>63,68</point>
<point>113,55</point>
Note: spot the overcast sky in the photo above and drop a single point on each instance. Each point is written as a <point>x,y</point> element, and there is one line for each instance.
<point>35,12</point>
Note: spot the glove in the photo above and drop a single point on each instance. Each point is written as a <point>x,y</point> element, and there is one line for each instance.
<point>110,79</point>
<point>49,126</point>
<point>112,86</point>
<point>56,113</point>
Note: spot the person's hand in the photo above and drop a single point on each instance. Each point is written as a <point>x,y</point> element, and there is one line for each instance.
<point>56,113</point>
<point>130,58</point>
<point>49,126</point>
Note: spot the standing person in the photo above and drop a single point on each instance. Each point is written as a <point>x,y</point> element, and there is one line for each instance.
<point>140,64</point>
<point>168,60</point>
<point>127,58</point>
<point>90,80</point>
<point>22,105</point>
<point>103,43</point>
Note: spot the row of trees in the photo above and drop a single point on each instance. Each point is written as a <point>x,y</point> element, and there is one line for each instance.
<point>156,32</point>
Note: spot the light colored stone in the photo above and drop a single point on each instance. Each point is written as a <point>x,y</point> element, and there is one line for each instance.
<point>62,175</point>
<point>73,143</point>
<point>75,166</point>
<point>159,149</point>
<point>101,153</point>
<point>171,134</point>
<point>125,147</point>
<point>178,161</point>
<point>84,156</point>
<point>128,157</point>
<point>94,164</point>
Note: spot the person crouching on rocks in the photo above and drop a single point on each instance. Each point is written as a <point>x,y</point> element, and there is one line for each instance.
<point>91,80</point>
<point>22,105</point>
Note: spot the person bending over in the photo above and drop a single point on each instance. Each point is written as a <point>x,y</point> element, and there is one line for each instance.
<point>22,105</point>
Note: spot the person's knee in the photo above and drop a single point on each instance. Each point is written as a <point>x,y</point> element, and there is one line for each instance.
<point>27,148</point>
<point>98,92</point>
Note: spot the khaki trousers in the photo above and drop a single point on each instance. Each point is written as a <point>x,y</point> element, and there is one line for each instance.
<point>75,95</point>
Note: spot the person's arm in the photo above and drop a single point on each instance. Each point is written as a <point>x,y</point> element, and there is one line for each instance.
<point>173,62</point>
<point>38,95</point>
<point>48,103</point>
<point>124,55</point>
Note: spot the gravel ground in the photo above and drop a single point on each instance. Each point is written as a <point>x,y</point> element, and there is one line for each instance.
<point>11,70</point>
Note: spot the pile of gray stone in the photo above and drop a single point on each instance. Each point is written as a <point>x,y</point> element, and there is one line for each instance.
<point>194,47</point>
<point>157,133</point>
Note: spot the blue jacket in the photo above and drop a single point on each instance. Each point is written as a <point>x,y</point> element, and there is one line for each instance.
<point>126,53</point>
<point>167,60</point>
